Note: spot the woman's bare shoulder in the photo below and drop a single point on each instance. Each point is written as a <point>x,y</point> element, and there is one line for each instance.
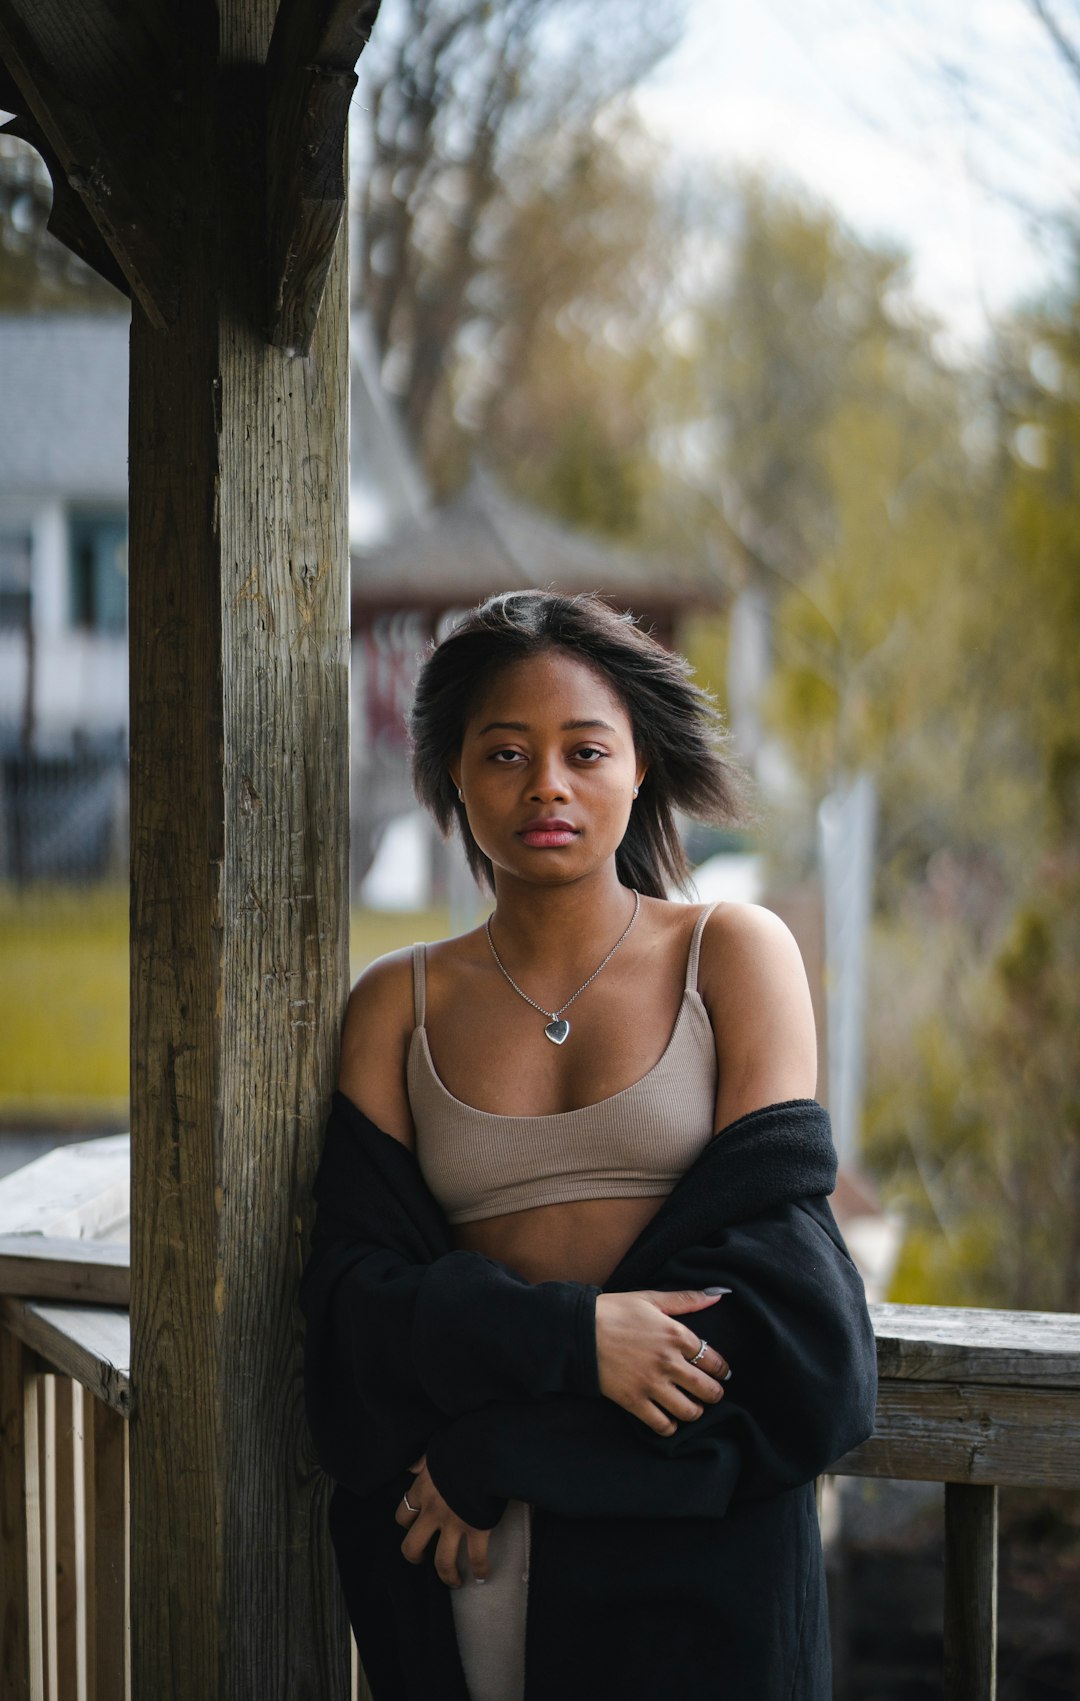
<point>754,984</point>
<point>375,1042</point>
<point>749,931</point>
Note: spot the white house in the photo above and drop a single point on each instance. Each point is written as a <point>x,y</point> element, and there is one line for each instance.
<point>63,532</point>
<point>63,574</point>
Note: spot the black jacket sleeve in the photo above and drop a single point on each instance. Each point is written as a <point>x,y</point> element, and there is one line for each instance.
<point>403,1332</point>
<point>801,1394</point>
<point>414,1348</point>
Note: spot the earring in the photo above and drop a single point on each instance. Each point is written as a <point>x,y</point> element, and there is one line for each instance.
<point>461,795</point>
<point>636,790</point>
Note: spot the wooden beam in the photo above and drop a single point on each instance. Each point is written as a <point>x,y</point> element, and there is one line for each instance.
<point>90,1343</point>
<point>239,654</point>
<point>310,78</point>
<point>93,84</point>
<point>937,1343</point>
<point>42,1267</point>
<point>968,1433</point>
<point>69,220</point>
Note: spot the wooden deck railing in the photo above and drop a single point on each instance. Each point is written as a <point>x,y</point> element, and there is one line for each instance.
<point>64,1399</point>
<point>973,1399</point>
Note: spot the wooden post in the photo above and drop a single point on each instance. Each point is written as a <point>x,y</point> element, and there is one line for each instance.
<point>239,861</point>
<point>971,1548</point>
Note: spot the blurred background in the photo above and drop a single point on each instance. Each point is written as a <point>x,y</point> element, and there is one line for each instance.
<point>765,322</point>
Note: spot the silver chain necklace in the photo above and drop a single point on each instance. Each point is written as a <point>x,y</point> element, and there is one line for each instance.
<point>558,1029</point>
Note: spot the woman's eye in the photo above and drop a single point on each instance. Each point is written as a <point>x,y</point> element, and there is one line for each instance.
<point>590,754</point>
<point>504,757</point>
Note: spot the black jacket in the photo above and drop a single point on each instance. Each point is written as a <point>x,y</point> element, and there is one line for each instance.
<point>687,1564</point>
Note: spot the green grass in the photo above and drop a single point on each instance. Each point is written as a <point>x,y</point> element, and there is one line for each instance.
<point>64,1006</point>
<point>64,999</point>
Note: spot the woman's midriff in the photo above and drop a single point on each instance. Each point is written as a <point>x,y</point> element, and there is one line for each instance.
<point>581,1241</point>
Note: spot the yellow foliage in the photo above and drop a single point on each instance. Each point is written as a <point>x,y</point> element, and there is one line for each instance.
<point>64,998</point>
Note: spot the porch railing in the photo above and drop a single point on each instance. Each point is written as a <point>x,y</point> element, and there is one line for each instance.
<point>973,1399</point>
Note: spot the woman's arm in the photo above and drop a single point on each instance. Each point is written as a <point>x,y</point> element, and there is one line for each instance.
<point>753,982</point>
<point>375,1045</point>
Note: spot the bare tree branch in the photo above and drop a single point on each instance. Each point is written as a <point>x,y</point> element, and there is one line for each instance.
<point>1069,51</point>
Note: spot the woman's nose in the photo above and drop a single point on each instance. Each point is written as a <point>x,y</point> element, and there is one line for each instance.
<point>549,781</point>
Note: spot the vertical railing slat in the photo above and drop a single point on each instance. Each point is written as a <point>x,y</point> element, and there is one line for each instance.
<point>20,1588</point>
<point>34,1381</point>
<point>66,1556</point>
<point>81,1415</point>
<point>47,1433</point>
<point>971,1572</point>
<point>105,1475</point>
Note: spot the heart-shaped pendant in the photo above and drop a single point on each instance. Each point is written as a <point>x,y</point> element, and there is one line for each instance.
<point>557,1030</point>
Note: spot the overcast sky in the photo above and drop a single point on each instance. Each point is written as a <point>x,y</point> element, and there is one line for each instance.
<point>948,125</point>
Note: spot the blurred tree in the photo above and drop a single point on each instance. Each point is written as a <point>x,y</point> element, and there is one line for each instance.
<point>456,95</point>
<point>913,529</point>
<point>567,404</point>
<point>1063,33</point>
<point>976,1108</point>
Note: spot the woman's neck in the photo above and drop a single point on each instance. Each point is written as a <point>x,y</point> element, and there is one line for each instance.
<point>566,924</point>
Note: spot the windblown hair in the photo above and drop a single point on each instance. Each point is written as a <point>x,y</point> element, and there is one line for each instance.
<point>677,730</point>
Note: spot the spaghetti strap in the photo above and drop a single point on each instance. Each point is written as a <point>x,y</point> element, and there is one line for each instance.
<point>419,983</point>
<point>695,949</point>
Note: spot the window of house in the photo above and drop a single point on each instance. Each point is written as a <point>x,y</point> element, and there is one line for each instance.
<point>14,581</point>
<point>98,565</point>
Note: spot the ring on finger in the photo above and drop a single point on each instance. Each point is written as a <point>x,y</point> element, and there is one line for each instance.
<point>700,1354</point>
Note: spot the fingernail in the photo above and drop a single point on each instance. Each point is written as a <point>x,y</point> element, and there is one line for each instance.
<point>711,1291</point>
<point>481,1579</point>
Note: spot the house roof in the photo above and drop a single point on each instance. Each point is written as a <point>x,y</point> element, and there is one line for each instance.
<point>64,423</point>
<point>387,490</point>
<point>484,541</point>
<point>63,426</point>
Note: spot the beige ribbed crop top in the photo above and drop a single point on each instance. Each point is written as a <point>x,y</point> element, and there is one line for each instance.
<point>634,1144</point>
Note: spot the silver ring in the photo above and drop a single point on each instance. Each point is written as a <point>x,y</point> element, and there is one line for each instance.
<point>409,1508</point>
<point>700,1354</point>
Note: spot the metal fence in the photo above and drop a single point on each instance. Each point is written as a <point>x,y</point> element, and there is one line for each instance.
<point>63,817</point>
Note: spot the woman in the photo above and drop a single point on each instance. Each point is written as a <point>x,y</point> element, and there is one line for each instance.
<point>526,1120</point>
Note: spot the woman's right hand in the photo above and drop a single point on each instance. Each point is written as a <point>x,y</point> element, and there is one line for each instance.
<point>643,1356</point>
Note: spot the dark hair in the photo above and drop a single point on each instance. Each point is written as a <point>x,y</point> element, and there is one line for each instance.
<point>677,729</point>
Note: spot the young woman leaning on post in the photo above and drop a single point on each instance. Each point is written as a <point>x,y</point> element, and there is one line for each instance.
<point>581,1330</point>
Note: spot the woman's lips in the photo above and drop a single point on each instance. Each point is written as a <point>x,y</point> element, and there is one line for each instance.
<point>548,836</point>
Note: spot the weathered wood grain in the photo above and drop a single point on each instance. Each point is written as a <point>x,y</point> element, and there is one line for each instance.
<point>89,1343</point>
<point>99,95</point>
<point>310,79</point>
<point>971,1592</point>
<point>974,1433</point>
<point>939,1344</point>
<point>94,1272</point>
<point>239,860</point>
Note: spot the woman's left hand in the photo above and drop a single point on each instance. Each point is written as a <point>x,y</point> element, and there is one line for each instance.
<point>427,1517</point>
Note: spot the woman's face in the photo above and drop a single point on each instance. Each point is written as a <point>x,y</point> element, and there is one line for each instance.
<point>548,769</point>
